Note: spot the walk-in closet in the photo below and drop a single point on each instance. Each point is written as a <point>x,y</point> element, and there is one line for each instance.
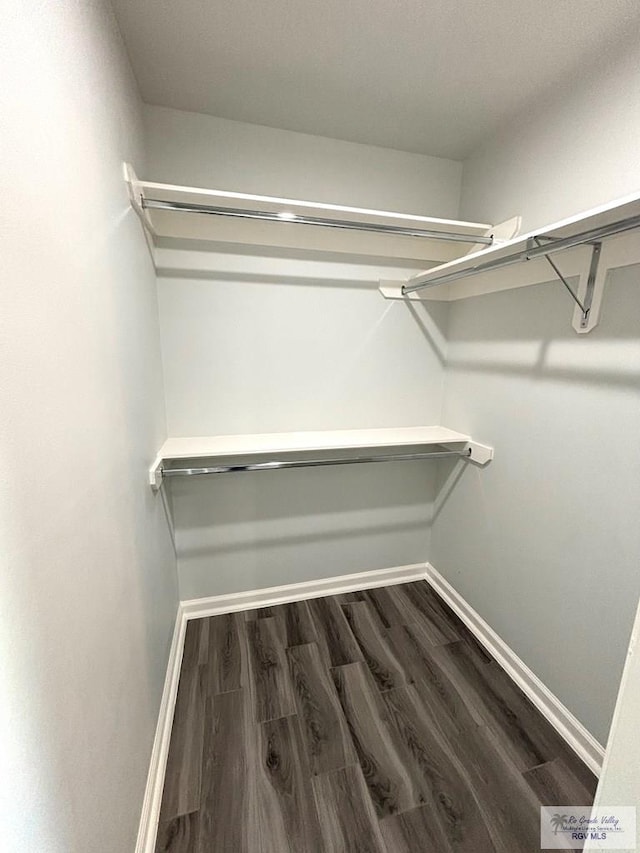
<point>319,418</point>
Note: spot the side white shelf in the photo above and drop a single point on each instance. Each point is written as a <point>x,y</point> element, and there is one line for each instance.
<point>285,232</point>
<point>620,250</point>
<point>224,446</point>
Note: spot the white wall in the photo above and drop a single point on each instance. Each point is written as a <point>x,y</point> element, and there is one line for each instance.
<point>88,574</point>
<point>280,342</point>
<point>201,150</point>
<point>250,355</point>
<point>574,149</point>
<point>272,352</point>
<point>545,542</point>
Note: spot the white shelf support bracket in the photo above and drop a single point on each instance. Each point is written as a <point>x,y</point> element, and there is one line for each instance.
<point>479,454</point>
<point>619,251</point>
<point>155,474</point>
<point>135,197</point>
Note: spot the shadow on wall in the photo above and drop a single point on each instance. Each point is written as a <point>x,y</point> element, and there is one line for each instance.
<point>555,514</point>
<point>542,348</point>
<point>250,530</point>
<point>194,259</point>
<point>266,278</point>
<point>319,511</point>
<point>302,539</point>
<point>211,248</point>
<point>432,320</point>
<point>449,474</point>
<point>543,345</point>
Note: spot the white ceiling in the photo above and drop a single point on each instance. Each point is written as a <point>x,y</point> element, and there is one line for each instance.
<point>430,76</point>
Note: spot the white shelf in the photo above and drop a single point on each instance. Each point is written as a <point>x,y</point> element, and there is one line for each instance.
<point>619,250</point>
<point>293,235</point>
<point>288,442</point>
<point>222,446</point>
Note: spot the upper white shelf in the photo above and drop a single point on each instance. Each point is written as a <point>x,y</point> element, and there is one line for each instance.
<point>224,446</point>
<point>287,229</point>
<point>475,281</point>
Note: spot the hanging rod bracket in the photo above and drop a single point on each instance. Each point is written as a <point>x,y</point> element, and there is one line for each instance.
<point>155,473</point>
<point>479,454</point>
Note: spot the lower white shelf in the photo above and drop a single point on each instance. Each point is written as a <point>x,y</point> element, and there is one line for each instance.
<point>221,447</point>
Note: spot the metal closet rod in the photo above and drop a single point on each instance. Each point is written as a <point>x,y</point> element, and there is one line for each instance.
<point>532,251</point>
<point>313,463</point>
<point>344,224</point>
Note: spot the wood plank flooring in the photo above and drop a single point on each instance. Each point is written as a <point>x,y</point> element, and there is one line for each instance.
<point>369,722</point>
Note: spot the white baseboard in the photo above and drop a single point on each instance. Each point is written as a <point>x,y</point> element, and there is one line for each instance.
<point>148,829</point>
<point>574,733</point>
<point>197,607</point>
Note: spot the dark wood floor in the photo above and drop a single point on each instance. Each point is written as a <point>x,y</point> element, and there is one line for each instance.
<point>370,722</point>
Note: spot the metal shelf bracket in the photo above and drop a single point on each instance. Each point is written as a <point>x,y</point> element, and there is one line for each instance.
<point>583,301</point>
<point>586,321</point>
